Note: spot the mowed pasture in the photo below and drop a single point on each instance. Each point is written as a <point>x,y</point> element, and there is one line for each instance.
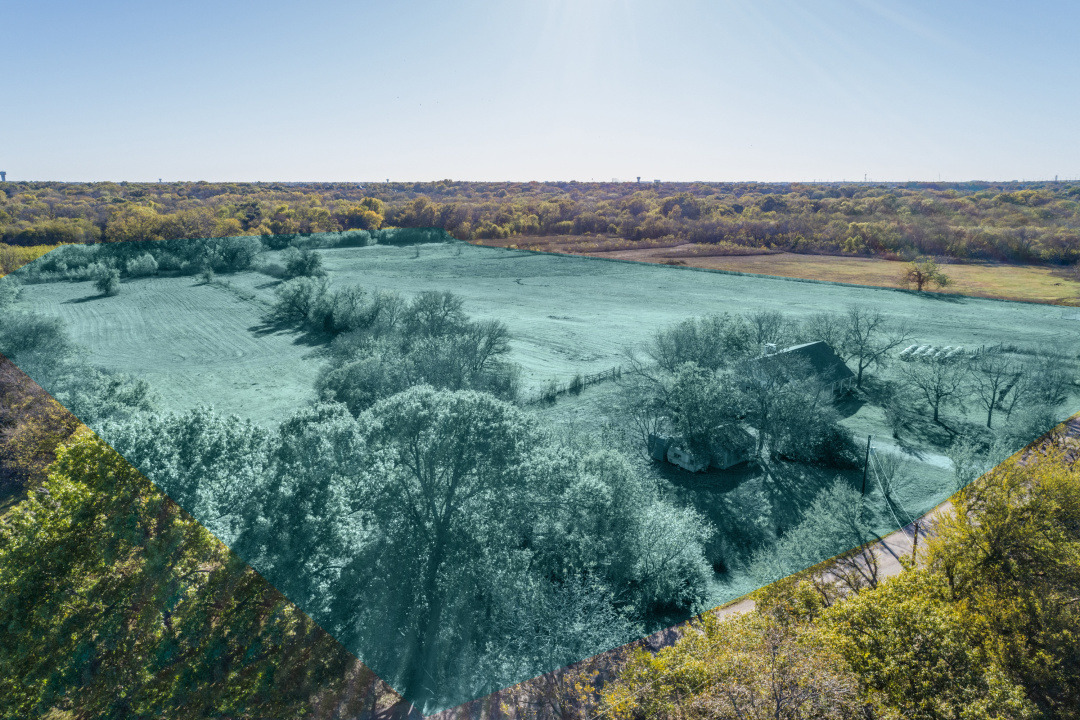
<point>199,342</point>
<point>194,343</point>
<point>567,315</point>
<point>1005,281</point>
<point>572,314</point>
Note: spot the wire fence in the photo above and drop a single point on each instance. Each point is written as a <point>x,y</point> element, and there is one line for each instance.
<point>550,393</point>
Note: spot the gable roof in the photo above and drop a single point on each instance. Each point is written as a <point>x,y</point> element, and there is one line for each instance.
<point>825,363</point>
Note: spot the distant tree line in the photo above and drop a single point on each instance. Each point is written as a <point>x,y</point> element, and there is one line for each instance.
<point>1018,222</point>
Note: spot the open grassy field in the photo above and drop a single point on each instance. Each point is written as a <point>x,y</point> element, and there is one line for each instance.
<point>567,315</point>
<point>194,343</point>
<point>1032,283</point>
<point>200,342</point>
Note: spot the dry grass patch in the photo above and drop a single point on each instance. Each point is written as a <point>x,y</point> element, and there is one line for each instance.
<point>1031,283</point>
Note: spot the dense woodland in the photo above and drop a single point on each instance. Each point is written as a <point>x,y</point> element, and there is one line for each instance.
<point>1015,222</point>
<point>983,626</point>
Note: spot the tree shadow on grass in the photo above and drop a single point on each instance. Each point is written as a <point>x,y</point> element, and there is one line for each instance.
<point>791,487</point>
<point>850,405</point>
<point>88,298</point>
<point>927,434</point>
<point>303,336</point>
<point>940,296</point>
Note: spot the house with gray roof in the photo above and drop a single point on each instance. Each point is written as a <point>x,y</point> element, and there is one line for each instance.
<point>823,362</point>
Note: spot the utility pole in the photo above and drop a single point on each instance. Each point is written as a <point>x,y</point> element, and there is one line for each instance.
<point>915,543</point>
<point>866,465</point>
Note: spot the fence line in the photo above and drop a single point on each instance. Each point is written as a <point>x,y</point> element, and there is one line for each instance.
<point>573,386</point>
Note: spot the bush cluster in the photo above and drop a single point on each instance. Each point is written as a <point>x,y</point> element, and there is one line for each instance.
<point>396,344</point>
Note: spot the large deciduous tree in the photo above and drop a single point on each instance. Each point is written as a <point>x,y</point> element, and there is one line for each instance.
<point>869,336</point>
<point>938,382</point>
<point>923,271</point>
<point>447,482</point>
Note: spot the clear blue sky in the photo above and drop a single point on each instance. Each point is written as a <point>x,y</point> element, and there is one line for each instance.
<point>552,89</point>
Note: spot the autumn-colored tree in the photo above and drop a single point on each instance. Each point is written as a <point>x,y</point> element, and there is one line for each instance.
<point>743,667</point>
<point>116,603</point>
<point>984,628</point>
<point>32,424</point>
<point>922,272</point>
<point>1010,556</point>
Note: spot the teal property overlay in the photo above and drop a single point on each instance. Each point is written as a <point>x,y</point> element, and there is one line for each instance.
<point>304,490</point>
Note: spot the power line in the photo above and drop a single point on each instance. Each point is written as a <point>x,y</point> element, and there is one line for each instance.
<point>889,502</point>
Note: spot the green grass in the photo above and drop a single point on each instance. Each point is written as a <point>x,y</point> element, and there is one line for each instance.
<point>200,342</point>
<point>567,315</point>
<point>194,343</point>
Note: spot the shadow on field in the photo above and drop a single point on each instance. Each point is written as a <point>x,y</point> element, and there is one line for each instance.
<point>88,298</point>
<point>751,504</point>
<point>849,405</point>
<point>931,295</point>
<point>278,327</point>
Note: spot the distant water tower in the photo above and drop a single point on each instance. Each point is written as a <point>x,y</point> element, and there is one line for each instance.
<point>3,176</point>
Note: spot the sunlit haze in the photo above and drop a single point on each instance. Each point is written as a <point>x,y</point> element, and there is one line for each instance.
<point>557,89</point>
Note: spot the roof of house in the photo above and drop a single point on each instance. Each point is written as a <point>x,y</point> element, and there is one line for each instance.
<point>733,437</point>
<point>825,363</point>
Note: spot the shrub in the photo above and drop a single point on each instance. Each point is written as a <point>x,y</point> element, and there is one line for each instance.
<point>349,310</point>
<point>142,266</point>
<point>302,263</point>
<point>169,262</point>
<point>550,393</point>
<point>107,282</point>
<point>839,448</point>
<point>9,293</point>
<point>411,236</point>
<point>361,383</point>
<point>298,298</point>
<point>237,253</point>
<point>23,332</point>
